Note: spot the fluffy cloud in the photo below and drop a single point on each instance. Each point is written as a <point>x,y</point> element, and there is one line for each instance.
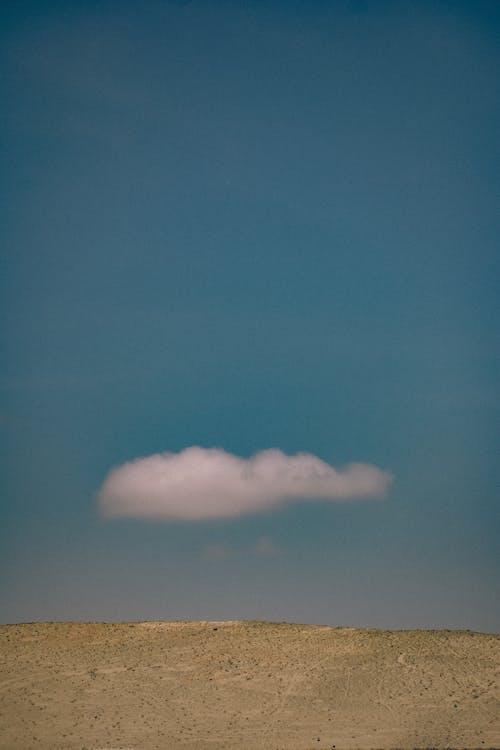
<point>200,483</point>
<point>265,547</point>
<point>216,552</point>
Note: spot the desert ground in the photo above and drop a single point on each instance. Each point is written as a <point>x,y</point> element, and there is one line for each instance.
<point>245,685</point>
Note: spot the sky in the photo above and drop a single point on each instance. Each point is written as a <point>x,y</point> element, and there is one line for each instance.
<point>249,300</point>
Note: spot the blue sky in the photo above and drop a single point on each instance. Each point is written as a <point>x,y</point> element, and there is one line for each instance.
<point>251,225</point>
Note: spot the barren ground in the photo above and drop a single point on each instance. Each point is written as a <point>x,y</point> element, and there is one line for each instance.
<point>245,685</point>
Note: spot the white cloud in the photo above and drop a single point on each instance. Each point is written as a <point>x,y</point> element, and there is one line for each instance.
<point>200,483</point>
<point>265,547</point>
<point>216,552</point>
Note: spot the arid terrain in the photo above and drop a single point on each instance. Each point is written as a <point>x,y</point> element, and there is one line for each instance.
<point>245,685</point>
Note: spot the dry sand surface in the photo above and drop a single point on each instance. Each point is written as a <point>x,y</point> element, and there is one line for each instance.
<point>245,685</point>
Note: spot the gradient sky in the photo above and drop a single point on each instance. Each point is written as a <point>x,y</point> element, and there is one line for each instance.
<point>252,225</point>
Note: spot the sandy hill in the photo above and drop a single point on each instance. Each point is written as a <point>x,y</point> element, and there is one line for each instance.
<point>245,685</point>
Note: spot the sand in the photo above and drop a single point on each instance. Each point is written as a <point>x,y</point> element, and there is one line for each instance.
<point>245,685</point>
